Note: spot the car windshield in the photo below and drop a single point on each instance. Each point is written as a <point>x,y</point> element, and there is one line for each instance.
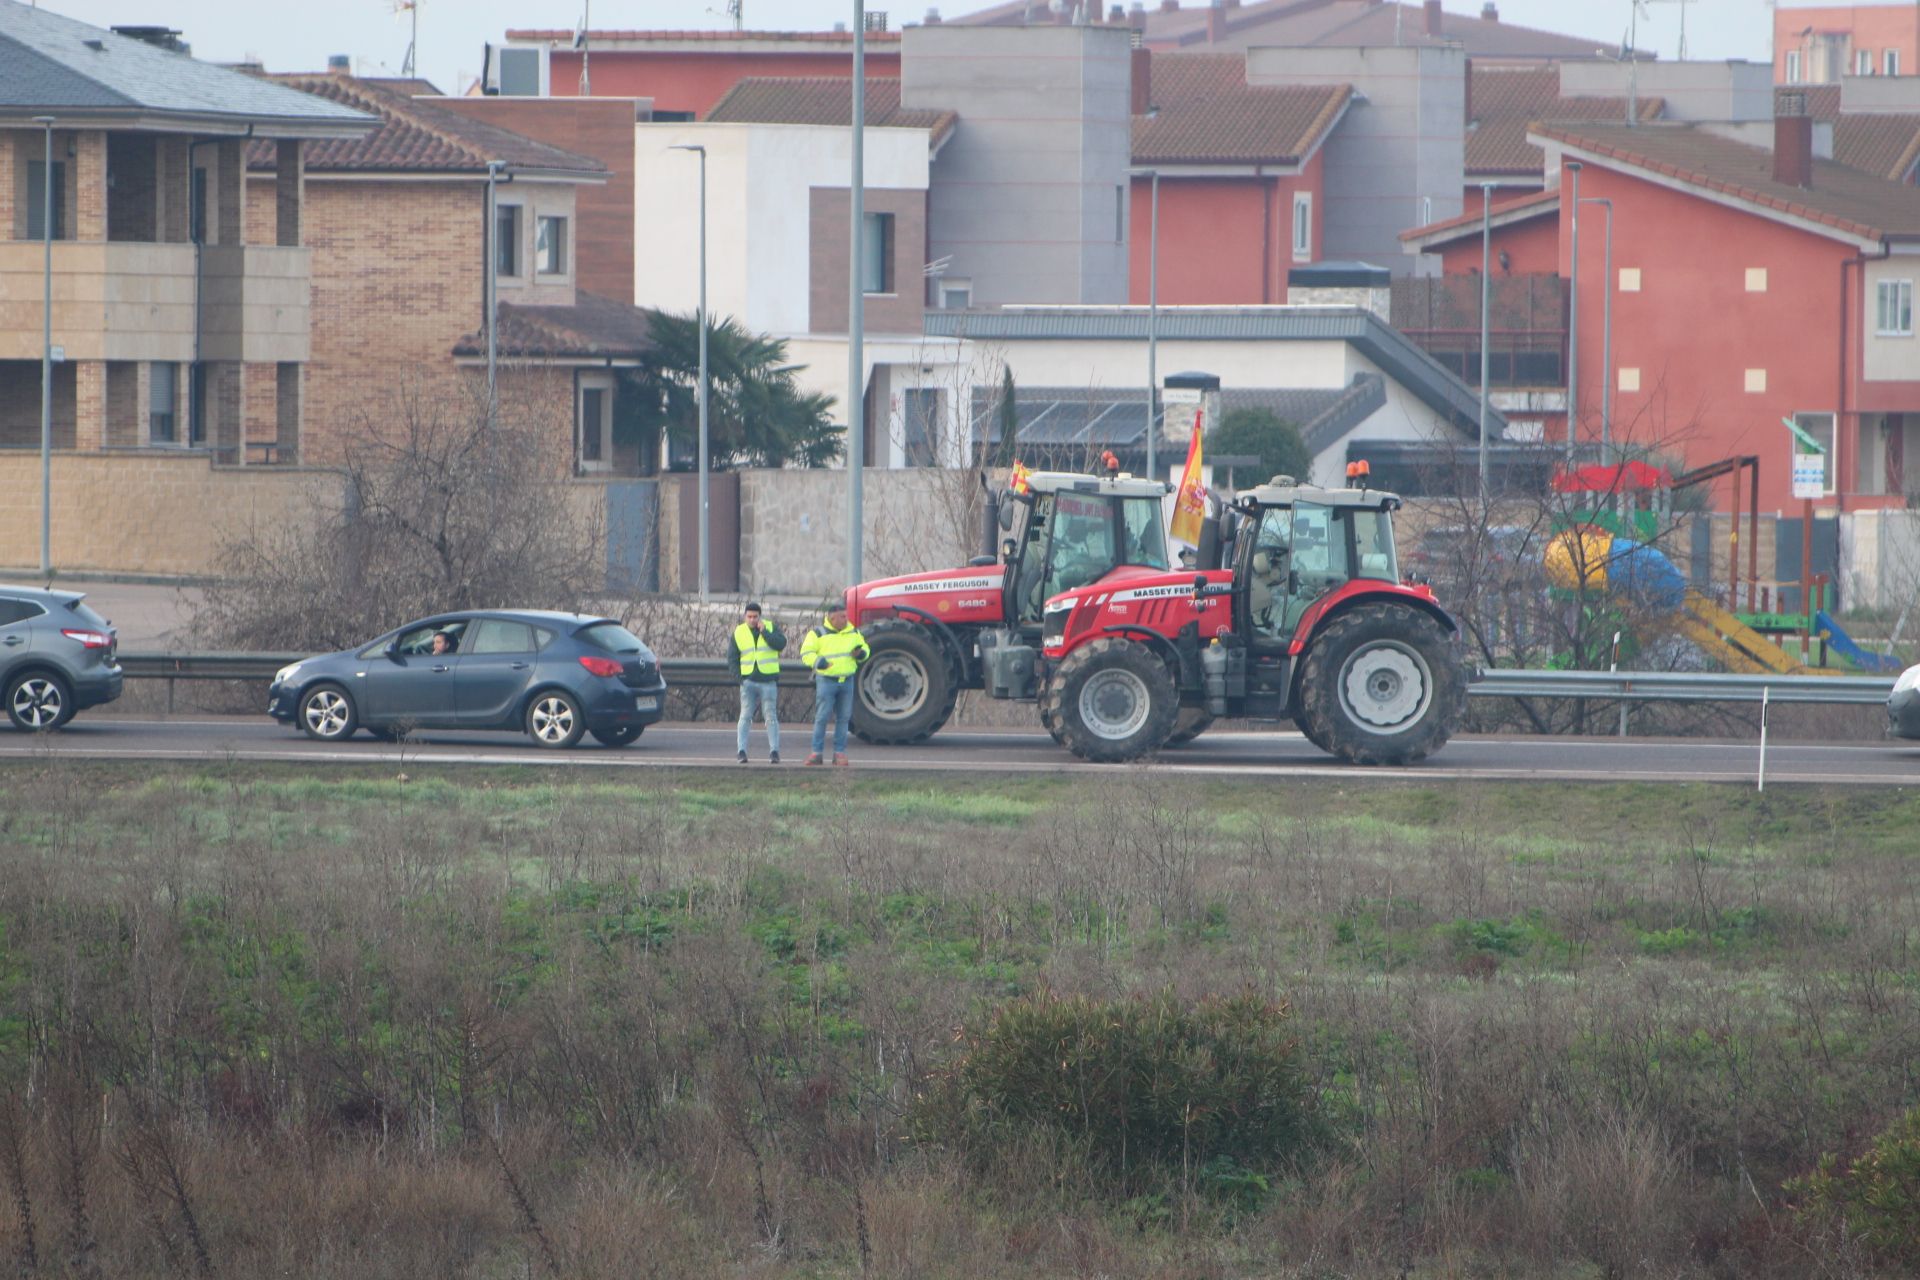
<point>612,637</point>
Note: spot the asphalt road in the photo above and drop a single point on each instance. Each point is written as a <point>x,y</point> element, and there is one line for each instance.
<point>1278,754</point>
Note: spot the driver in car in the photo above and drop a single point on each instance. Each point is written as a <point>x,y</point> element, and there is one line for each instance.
<point>444,643</point>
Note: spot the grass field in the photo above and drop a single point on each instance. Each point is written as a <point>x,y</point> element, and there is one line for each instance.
<point>259,1021</point>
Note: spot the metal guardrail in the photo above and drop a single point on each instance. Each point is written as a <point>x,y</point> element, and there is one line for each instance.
<point>1681,686</point>
<point>1630,686</point>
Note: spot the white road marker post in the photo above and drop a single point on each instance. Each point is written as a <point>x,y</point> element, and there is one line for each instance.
<point>1764,692</point>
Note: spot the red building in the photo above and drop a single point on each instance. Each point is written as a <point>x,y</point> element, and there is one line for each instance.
<point>1749,285</point>
<point>1241,180</point>
<point>1819,45</point>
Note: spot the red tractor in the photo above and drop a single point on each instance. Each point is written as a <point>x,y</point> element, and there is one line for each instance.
<point>934,634</point>
<point>1307,620</point>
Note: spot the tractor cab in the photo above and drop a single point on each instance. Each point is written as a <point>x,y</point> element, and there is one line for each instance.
<point>1294,545</point>
<point>1070,530</point>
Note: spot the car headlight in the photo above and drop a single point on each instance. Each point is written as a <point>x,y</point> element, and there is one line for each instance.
<point>1909,679</point>
<point>285,674</point>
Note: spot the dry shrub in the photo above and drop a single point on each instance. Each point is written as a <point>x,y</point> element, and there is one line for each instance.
<point>1599,1187</point>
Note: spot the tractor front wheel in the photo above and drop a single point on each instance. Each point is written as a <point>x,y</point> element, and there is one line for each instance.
<point>906,689</point>
<point>1381,686</point>
<point>1111,701</point>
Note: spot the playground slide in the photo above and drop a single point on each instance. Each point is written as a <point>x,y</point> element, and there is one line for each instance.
<point>1844,645</point>
<point>1731,642</point>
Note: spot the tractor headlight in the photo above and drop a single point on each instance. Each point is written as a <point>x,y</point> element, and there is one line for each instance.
<point>1909,679</point>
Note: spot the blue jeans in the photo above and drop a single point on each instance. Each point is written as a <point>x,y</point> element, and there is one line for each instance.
<point>832,700</point>
<point>765,697</point>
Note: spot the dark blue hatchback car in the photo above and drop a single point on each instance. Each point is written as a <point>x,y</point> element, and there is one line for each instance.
<point>553,675</point>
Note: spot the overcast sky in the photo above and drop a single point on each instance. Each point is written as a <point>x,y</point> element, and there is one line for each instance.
<point>297,35</point>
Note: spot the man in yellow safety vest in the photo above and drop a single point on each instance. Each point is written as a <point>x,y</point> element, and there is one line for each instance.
<point>754,651</point>
<point>833,650</point>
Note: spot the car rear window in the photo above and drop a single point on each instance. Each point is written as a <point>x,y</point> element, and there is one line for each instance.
<point>80,610</point>
<point>610,636</point>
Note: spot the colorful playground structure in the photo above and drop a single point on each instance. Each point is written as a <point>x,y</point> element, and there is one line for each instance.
<point>1597,549</point>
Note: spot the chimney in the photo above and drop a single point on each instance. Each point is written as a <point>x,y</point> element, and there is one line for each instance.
<point>1433,18</point>
<point>1117,15</point>
<point>1793,141</point>
<point>1169,6</point>
<point>1216,21</point>
<point>339,64</point>
<point>1137,16</point>
<point>1142,80</point>
<point>933,18</point>
<point>1489,12</point>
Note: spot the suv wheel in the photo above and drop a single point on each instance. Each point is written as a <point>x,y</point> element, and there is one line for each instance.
<point>38,701</point>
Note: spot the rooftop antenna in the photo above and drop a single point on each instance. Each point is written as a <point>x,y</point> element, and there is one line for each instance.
<point>586,29</point>
<point>736,11</point>
<point>1681,53</point>
<point>412,9</point>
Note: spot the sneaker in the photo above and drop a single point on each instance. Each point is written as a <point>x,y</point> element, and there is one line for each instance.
<point>840,758</point>
<point>815,759</point>
<point>774,758</point>
<point>743,757</point>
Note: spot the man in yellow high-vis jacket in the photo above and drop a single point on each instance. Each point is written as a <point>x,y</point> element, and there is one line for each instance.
<point>834,651</point>
<point>754,652</point>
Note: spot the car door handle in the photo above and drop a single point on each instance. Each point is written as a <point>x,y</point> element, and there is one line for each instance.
<point>12,640</point>
<point>443,668</point>
<point>519,666</point>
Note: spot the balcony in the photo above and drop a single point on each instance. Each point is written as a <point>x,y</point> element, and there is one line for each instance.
<point>133,300</point>
<point>1527,327</point>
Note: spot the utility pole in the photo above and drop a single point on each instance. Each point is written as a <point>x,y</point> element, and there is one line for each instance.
<point>1573,318</point>
<point>856,299</point>
<point>1486,296</point>
<point>1153,330</point>
<point>1606,338</point>
<point>46,354</point>
<point>706,466</point>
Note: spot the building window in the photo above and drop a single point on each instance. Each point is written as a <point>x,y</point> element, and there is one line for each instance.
<point>1793,66</point>
<point>1302,226</point>
<point>920,414</point>
<point>595,424</point>
<point>1890,62</point>
<point>1893,314</point>
<point>1863,62</point>
<point>956,295</point>
<point>506,239</point>
<point>1820,427</point>
<point>162,401</point>
<point>876,253</point>
<point>37,200</point>
<point>550,246</point>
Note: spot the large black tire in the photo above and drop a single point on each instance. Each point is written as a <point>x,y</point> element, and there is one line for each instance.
<point>621,736</point>
<point>1112,700</point>
<point>1048,723</point>
<point>326,713</point>
<point>905,691</point>
<point>1188,725</point>
<point>1382,685</point>
<point>1303,721</point>
<point>38,701</point>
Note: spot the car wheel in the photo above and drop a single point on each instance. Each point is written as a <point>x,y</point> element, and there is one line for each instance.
<point>623,736</point>
<point>38,701</point>
<point>554,719</point>
<point>327,714</point>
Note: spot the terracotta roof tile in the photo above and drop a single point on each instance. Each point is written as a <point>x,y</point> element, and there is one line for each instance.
<point>1535,204</point>
<point>1853,203</point>
<point>1887,145</point>
<point>567,36</point>
<point>1506,100</point>
<point>1207,113</point>
<point>825,100</point>
<point>593,328</point>
<point>414,136</point>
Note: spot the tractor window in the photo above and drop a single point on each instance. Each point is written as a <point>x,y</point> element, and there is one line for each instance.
<point>1319,548</point>
<point>1146,532</point>
<point>1083,542</point>
<point>1373,546</point>
<point>1267,571</point>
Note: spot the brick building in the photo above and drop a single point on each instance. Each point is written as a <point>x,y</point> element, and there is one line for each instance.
<point>181,317</point>
<point>397,221</point>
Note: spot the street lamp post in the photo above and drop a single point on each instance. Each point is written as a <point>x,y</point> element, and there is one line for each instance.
<point>706,468</point>
<point>1153,328</point>
<point>1486,294</point>
<point>1573,317</point>
<point>46,354</point>
<point>1606,337</point>
<point>494,169</point>
<point>856,298</point>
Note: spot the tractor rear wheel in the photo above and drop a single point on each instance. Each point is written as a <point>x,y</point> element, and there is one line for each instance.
<point>1381,685</point>
<point>1111,701</point>
<point>1188,725</point>
<point>906,690</point>
<point>1303,721</point>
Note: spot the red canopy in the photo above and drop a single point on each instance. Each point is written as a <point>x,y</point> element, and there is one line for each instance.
<point>1626,477</point>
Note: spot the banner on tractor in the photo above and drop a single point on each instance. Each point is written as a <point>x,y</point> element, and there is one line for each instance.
<point>1018,481</point>
<point>1190,504</point>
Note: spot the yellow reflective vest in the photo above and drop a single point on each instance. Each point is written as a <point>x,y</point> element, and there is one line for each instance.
<point>844,650</point>
<point>758,656</point>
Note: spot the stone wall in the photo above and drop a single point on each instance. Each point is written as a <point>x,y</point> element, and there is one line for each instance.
<point>793,527</point>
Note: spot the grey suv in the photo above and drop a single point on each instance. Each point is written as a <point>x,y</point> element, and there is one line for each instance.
<point>56,657</point>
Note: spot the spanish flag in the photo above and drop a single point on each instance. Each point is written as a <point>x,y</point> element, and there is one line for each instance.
<point>1190,504</point>
<point>1020,474</point>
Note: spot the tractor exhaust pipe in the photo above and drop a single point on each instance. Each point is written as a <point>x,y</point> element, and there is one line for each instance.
<point>989,522</point>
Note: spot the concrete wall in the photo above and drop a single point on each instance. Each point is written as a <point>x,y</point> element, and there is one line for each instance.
<point>1887,359</point>
<point>759,179</point>
<point>1880,561</point>
<point>1025,193</point>
<point>1398,159</point>
<point>793,527</point>
<point>1719,91</point>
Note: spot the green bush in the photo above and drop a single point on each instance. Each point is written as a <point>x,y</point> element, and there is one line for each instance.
<point>1876,1197</point>
<point>1144,1089</point>
<point>1260,433</point>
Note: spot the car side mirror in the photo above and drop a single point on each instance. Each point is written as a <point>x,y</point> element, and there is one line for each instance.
<point>1006,511</point>
<point>393,651</point>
